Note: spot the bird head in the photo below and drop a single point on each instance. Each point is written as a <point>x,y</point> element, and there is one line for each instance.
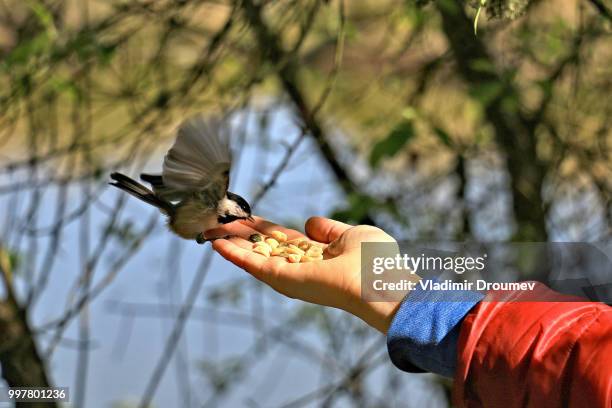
<point>233,207</point>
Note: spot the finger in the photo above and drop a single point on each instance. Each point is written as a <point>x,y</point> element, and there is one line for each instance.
<point>266,227</point>
<point>324,229</point>
<point>232,228</point>
<point>241,242</point>
<point>239,256</point>
<point>259,266</point>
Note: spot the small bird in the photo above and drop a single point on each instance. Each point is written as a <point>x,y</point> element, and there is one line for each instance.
<point>192,189</point>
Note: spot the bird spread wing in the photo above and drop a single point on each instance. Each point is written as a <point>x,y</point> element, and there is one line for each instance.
<point>199,161</point>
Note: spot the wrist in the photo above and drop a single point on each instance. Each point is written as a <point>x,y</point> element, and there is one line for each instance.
<point>378,314</point>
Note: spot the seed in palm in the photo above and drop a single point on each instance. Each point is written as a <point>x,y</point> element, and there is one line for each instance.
<point>294,251</point>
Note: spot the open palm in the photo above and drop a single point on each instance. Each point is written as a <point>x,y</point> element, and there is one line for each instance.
<point>334,281</point>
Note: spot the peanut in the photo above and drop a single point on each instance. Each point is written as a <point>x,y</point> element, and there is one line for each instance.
<point>279,236</point>
<point>278,251</point>
<point>263,244</point>
<point>295,250</point>
<point>260,249</point>
<point>294,258</point>
<point>292,249</point>
<point>296,241</point>
<point>314,251</point>
<point>272,242</point>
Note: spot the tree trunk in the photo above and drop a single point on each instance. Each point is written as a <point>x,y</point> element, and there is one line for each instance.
<point>21,364</point>
<point>19,358</point>
<point>514,134</point>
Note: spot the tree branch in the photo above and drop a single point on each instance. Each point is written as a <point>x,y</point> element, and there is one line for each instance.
<point>287,72</point>
<point>603,10</point>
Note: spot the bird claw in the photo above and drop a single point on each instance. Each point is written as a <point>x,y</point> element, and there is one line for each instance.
<point>200,239</point>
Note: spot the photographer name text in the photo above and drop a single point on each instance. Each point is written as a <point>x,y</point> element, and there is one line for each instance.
<point>403,285</point>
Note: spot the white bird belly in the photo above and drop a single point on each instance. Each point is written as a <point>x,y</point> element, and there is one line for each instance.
<point>192,218</point>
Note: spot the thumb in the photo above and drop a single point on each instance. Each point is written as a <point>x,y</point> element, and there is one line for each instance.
<point>324,229</point>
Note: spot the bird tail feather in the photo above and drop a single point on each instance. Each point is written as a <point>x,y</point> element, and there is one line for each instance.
<point>141,192</point>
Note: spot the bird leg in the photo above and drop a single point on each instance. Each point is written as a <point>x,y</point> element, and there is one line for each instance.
<point>200,239</point>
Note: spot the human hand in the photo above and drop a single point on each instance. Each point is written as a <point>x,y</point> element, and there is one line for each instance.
<point>335,281</point>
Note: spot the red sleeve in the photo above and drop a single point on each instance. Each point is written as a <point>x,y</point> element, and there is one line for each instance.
<point>514,352</point>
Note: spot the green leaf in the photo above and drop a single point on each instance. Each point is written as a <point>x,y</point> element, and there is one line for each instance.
<point>450,6</point>
<point>545,85</point>
<point>357,209</point>
<point>390,145</point>
<point>359,205</point>
<point>44,16</point>
<point>443,136</point>
<point>482,65</point>
<point>410,113</point>
<point>222,374</point>
<point>25,52</point>
<point>487,92</point>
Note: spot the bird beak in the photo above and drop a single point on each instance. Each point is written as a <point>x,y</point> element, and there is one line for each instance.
<point>250,218</point>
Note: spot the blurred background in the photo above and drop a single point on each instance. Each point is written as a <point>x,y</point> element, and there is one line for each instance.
<point>393,113</point>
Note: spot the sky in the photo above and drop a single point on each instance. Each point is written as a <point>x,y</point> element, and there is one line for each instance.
<point>125,348</point>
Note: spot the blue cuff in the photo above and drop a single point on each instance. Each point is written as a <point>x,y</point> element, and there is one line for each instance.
<point>425,330</point>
